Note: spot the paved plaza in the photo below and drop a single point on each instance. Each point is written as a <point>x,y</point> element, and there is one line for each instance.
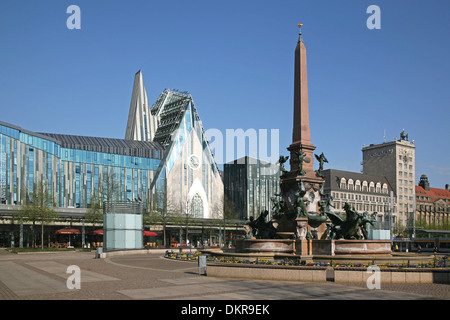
<point>43,276</point>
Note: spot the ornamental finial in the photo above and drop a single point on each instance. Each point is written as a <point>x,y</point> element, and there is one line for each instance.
<point>300,32</point>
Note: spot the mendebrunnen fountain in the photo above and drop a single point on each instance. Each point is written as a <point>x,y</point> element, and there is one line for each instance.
<point>305,240</point>
<point>302,225</point>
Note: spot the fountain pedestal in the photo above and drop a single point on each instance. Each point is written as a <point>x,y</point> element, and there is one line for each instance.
<point>306,247</point>
<point>275,246</point>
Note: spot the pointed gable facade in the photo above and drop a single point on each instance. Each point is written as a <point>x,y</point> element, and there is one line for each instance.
<point>187,180</point>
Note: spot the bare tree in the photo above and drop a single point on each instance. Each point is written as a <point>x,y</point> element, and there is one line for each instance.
<point>38,207</point>
<point>229,213</point>
<point>158,211</point>
<point>108,190</point>
<point>94,213</point>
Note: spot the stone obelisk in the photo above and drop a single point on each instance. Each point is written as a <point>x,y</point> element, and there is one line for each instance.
<point>301,186</point>
<point>301,148</point>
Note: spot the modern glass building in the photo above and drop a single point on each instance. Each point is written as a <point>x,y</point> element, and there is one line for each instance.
<point>249,185</point>
<point>164,163</point>
<point>75,169</point>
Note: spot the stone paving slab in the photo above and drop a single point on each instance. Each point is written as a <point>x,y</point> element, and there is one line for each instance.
<point>265,290</point>
<point>151,277</point>
<point>60,270</point>
<point>23,281</point>
<point>180,291</point>
<point>193,280</point>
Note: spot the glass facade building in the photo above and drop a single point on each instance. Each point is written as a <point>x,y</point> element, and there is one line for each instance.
<point>74,168</point>
<point>164,163</point>
<point>249,185</point>
<point>194,186</point>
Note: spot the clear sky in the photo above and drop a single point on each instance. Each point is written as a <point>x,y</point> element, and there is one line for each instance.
<point>236,59</point>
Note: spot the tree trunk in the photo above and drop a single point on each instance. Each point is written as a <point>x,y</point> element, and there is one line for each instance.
<point>33,234</point>
<point>164,236</point>
<point>42,234</point>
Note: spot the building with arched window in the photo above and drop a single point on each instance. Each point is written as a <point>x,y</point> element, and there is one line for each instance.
<point>432,205</point>
<point>363,192</point>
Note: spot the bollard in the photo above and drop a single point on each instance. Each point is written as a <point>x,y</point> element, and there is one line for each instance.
<point>201,264</point>
<point>98,252</point>
<point>329,274</point>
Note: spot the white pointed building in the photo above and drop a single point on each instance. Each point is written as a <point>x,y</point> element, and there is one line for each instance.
<point>188,178</point>
<point>141,124</point>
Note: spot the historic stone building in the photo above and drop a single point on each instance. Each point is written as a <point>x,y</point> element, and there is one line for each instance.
<point>432,204</point>
<point>365,193</point>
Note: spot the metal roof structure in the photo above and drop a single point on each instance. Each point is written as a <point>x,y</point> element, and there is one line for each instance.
<point>135,148</point>
<point>169,107</point>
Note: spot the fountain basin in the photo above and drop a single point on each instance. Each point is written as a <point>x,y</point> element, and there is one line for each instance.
<point>314,247</point>
<point>265,246</point>
<point>362,247</point>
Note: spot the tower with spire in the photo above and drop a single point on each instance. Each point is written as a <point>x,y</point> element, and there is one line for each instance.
<point>141,123</point>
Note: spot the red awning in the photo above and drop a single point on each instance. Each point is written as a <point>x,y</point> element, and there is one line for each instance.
<point>146,233</point>
<point>68,231</point>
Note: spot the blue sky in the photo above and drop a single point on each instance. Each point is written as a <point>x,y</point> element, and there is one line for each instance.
<point>236,59</point>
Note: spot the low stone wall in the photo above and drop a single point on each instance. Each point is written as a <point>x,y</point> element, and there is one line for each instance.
<point>322,274</point>
<point>106,254</point>
<point>362,247</point>
<point>394,276</point>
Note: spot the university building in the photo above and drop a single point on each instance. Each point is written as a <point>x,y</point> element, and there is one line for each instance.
<point>74,168</point>
<point>165,163</point>
<point>188,178</point>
